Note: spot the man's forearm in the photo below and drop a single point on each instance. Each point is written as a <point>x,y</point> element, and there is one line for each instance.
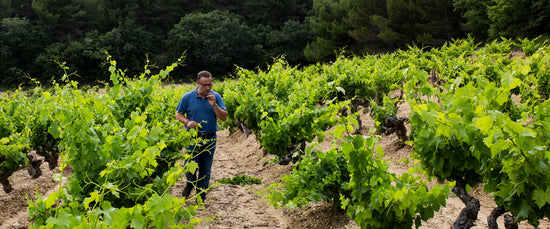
<point>220,113</point>
<point>180,117</point>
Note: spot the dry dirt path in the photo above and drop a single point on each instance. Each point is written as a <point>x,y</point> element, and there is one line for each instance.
<point>235,206</point>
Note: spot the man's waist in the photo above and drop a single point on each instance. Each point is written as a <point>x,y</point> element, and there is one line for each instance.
<point>206,135</point>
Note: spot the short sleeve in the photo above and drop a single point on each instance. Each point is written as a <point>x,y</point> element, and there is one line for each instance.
<point>183,105</point>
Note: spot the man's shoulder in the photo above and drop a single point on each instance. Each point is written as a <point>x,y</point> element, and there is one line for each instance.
<point>190,93</point>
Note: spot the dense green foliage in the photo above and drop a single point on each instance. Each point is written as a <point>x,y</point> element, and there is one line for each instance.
<point>214,41</point>
<point>379,112</point>
<point>137,33</point>
<point>280,107</point>
<point>286,107</point>
<point>122,146</point>
<point>20,44</point>
<point>485,123</point>
<point>221,35</point>
<point>352,175</point>
<point>479,114</point>
<point>14,132</point>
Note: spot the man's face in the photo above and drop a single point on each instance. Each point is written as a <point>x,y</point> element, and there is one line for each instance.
<point>204,84</point>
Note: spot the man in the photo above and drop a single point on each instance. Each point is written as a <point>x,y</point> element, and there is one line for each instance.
<point>199,109</point>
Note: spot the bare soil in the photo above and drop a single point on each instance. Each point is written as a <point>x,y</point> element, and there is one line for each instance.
<point>234,206</point>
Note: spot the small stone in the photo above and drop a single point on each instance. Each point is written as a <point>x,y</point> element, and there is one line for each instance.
<point>16,225</point>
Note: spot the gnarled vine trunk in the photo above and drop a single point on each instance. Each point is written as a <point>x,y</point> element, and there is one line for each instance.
<point>468,215</point>
<point>5,182</point>
<point>508,219</point>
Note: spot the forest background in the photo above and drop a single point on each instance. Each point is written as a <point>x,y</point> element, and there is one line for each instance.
<point>45,39</point>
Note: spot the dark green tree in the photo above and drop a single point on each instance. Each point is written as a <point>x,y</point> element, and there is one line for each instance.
<point>539,22</point>
<point>289,41</point>
<point>93,14</point>
<point>115,11</point>
<point>166,13</point>
<point>361,16</point>
<point>519,18</point>
<point>19,8</point>
<point>475,20</point>
<point>6,10</point>
<point>129,44</point>
<point>275,13</point>
<point>424,22</point>
<point>397,28</point>
<point>82,58</point>
<point>331,26</point>
<point>65,19</point>
<point>20,43</point>
<point>436,22</point>
<point>216,41</point>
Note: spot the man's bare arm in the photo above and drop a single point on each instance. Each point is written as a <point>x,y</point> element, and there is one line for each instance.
<point>220,113</point>
<point>180,117</point>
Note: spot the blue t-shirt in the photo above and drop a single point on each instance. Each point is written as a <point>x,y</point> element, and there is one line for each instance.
<point>199,110</point>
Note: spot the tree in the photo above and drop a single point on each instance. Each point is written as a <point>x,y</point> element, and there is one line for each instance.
<point>115,11</point>
<point>93,15</point>
<point>217,41</point>
<point>81,58</point>
<point>397,28</point>
<point>128,44</point>
<point>166,13</point>
<point>6,10</point>
<point>20,43</point>
<point>19,8</point>
<point>492,19</point>
<point>474,15</point>
<point>425,22</point>
<point>539,22</point>
<point>275,13</point>
<point>436,22</point>
<point>361,16</point>
<point>519,18</point>
<point>289,41</point>
<point>65,18</point>
<point>331,26</point>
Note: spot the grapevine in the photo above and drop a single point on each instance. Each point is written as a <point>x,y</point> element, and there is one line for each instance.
<point>479,115</point>
<point>472,130</point>
<point>352,175</point>
<point>122,146</point>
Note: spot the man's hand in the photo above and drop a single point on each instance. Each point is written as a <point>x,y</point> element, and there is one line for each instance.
<point>192,124</point>
<point>212,100</point>
<point>189,123</point>
<point>220,113</point>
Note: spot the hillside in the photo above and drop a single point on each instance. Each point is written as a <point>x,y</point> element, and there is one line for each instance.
<point>233,206</point>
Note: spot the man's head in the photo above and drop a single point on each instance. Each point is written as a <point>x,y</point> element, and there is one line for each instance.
<point>204,82</point>
<point>202,74</point>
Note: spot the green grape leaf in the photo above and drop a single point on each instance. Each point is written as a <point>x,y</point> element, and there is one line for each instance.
<point>524,210</point>
<point>541,197</point>
<point>484,123</point>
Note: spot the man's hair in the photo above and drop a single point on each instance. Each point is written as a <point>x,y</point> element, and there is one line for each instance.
<point>203,74</point>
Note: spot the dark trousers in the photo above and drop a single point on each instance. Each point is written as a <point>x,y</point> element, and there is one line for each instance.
<point>203,155</point>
